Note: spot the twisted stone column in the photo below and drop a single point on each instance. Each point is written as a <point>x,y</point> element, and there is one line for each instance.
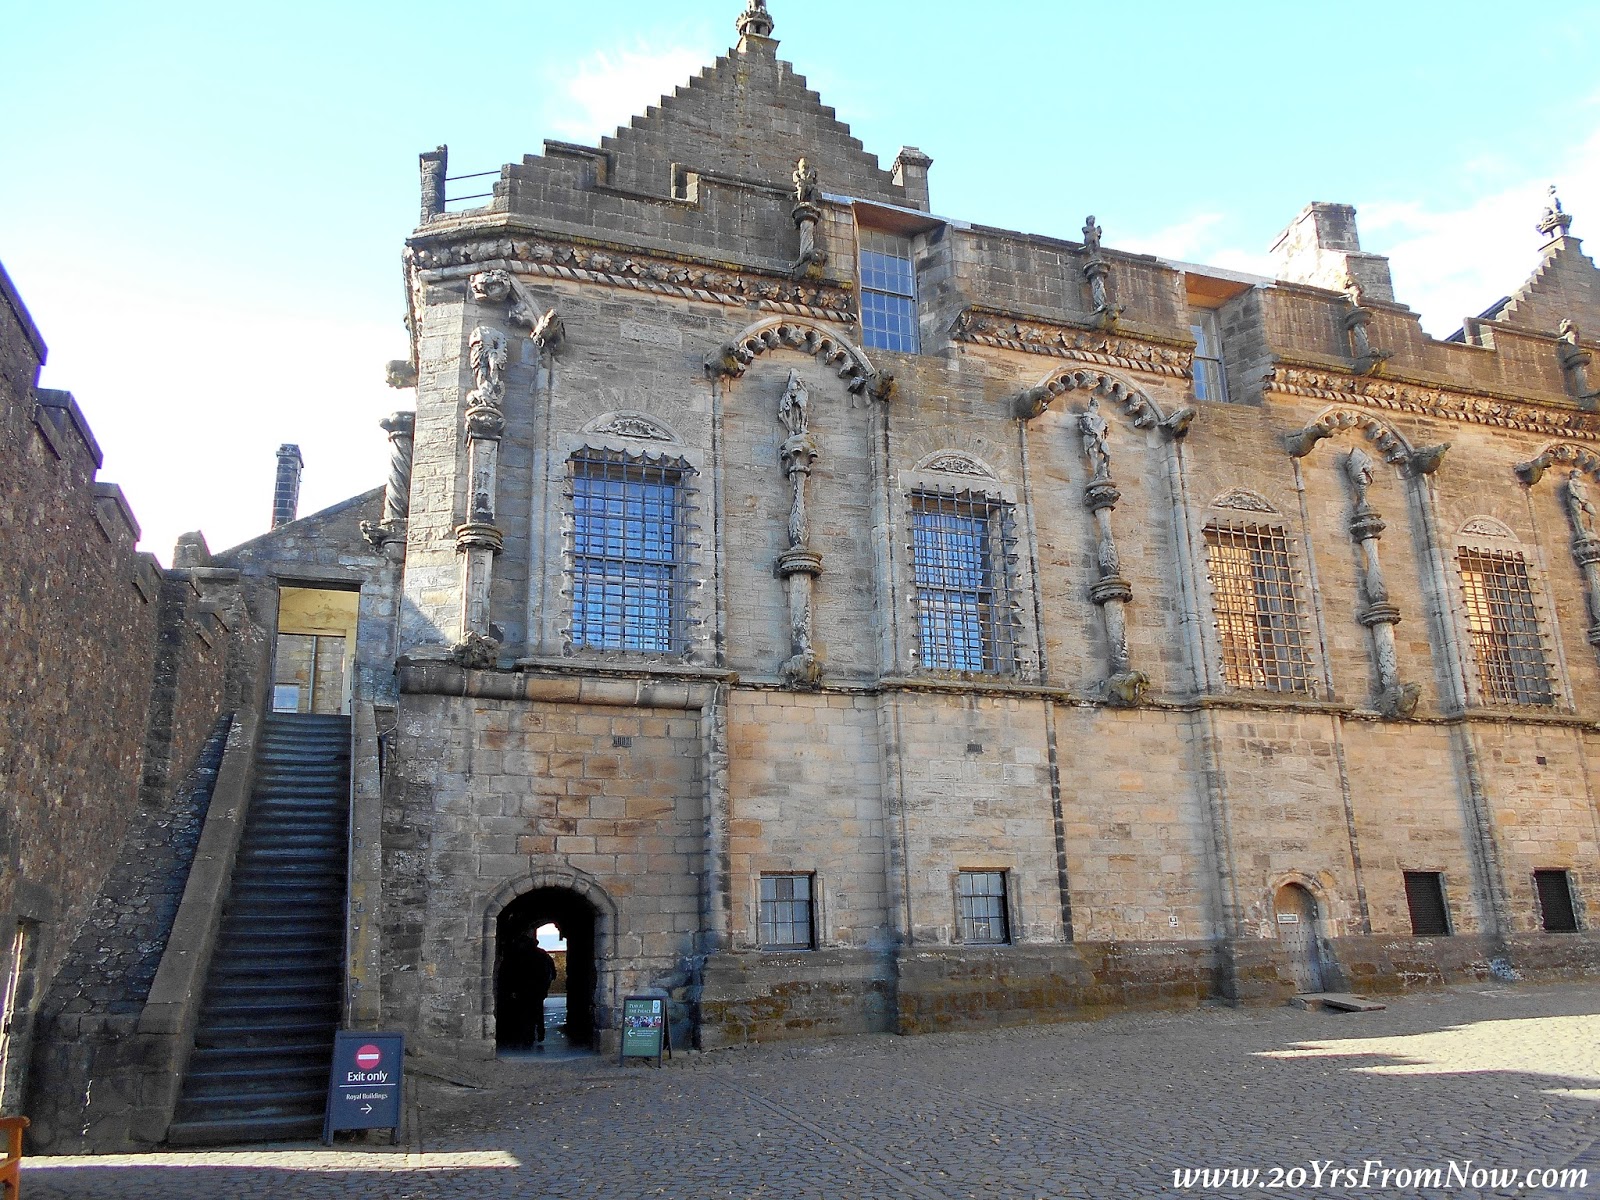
<point>799,565</point>
<point>1379,615</point>
<point>1585,547</point>
<point>1124,686</point>
<point>478,540</point>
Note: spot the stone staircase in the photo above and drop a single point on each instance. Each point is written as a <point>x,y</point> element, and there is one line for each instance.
<point>262,1051</point>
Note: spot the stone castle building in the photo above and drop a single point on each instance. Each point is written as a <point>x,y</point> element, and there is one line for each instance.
<point>840,617</point>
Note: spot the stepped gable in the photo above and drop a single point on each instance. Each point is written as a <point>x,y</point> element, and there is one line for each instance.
<point>749,116</point>
<point>1566,285</point>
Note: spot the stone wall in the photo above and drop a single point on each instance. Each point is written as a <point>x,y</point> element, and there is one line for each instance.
<point>115,673</point>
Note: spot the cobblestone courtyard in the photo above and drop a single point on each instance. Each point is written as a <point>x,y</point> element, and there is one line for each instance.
<point>1508,1078</point>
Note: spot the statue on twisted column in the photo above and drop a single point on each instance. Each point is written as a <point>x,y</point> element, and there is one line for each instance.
<point>1579,506</point>
<point>1095,430</point>
<point>792,408</point>
<point>1359,469</point>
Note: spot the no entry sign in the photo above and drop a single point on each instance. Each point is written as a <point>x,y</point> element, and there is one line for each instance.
<point>364,1085</point>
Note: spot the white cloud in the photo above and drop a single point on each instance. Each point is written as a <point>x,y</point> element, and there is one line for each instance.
<point>1454,261</point>
<point>1181,241</point>
<point>612,86</point>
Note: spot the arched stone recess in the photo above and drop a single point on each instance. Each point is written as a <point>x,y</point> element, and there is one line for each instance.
<point>1134,402</point>
<point>555,875</point>
<point>828,347</point>
<point>1579,458</point>
<point>1393,445</point>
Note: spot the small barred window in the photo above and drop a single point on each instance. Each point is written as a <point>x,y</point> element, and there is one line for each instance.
<point>1503,625</point>
<point>961,550</point>
<point>786,909</point>
<point>629,526</point>
<point>1260,618</point>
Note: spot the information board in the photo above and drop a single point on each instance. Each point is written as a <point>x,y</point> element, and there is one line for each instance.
<point>364,1085</point>
<point>645,1029</point>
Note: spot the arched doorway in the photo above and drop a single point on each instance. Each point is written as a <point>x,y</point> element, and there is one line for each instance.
<point>516,933</point>
<point>1297,930</point>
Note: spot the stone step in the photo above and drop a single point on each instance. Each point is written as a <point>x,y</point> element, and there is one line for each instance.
<point>1338,1001</point>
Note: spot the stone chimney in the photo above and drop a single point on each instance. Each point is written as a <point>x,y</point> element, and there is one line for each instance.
<point>910,171</point>
<point>286,490</point>
<point>433,164</point>
<point>1321,248</point>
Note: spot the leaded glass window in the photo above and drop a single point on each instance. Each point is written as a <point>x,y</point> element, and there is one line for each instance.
<point>962,566</point>
<point>888,292</point>
<point>628,540</point>
<point>982,899</point>
<point>786,912</point>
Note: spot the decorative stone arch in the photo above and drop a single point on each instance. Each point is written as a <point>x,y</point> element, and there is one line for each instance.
<point>1139,407</point>
<point>566,878</point>
<point>829,348</point>
<point>1242,499</point>
<point>950,461</point>
<point>1395,447</point>
<point>1485,527</point>
<point>634,426</point>
<point>1580,458</point>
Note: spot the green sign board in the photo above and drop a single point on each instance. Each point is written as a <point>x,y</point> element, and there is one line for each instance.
<point>645,1030</point>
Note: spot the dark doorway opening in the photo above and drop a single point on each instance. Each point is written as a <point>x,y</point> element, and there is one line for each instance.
<point>516,933</point>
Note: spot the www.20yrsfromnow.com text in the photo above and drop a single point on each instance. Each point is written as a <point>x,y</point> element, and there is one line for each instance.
<point>1376,1176</point>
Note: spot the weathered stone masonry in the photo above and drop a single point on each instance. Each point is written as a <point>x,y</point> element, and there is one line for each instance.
<point>1143,802</point>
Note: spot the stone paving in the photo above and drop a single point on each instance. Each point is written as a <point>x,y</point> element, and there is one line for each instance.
<point>1506,1078</point>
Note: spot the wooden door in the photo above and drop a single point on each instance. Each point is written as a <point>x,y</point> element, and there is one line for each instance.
<point>1297,930</point>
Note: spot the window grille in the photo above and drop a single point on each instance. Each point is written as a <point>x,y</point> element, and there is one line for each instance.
<point>982,896</point>
<point>1559,914</point>
<point>1503,625</point>
<point>888,292</point>
<point>1425,899</point>
<point>962,552</point>
<point>629,536</point>
<point>1260,620</point>
<point>1210,381</point>
<point>786,912</point>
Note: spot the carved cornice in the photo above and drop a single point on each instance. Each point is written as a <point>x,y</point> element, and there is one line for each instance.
<point>988,327</point>
<point>1440,403</point>
<point>663,276</point>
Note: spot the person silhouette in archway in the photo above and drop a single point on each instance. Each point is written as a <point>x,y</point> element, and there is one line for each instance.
<point>541,974</point>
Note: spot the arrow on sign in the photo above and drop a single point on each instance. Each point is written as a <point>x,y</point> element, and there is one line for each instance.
<point>366,1108</point>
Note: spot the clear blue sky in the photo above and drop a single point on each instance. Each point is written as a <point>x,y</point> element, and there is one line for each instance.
<point>204,205</point>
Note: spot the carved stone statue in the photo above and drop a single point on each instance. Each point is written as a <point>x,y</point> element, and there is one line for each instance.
<point>1091,235</point>
<point>1554,221</point>
<point>805,183</point>
<point>1579,506</point>
<point>1359,469</point>
<point>487,355</point>
<point>1568,330</point>
<point>1092,425</point>
<point>792,408</point>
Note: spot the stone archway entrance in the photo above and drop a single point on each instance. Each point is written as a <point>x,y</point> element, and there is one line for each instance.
<point>516,930</point>
<point>1296,909</point>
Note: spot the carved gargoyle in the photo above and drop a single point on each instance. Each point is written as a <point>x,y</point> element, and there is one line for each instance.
<point>1427,460</point>
<point>399,373</point>
<point>1533,470</point>
<point>493,286</point>
<point>802,672</point>
<point>724,360</point>
<point>1177,425</point>
<point>1127,689</point>
<point>1301,444</point>
<point>476,652</point>
<point>1400,701</point>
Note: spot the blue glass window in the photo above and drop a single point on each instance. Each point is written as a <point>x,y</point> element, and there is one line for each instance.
<point>627,550</point>
<point>888,293</point>
<point>960,575</point>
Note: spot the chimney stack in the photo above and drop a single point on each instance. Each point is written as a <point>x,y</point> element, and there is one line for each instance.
<point>286,491</point>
